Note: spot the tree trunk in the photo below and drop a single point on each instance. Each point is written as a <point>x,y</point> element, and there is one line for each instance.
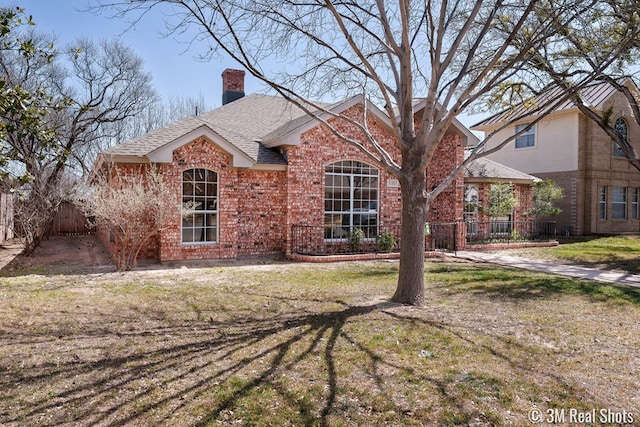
<point>410,288</point>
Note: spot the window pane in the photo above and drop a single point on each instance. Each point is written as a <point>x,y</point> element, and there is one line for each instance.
<point>351,198</point>
<point>618,202</point>
<point>200,187</point>
<point>622,130</point>
<point>602,214</point>
<point>528,138</point>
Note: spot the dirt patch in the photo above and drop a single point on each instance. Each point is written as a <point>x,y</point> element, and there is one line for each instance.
<point>57,255</point>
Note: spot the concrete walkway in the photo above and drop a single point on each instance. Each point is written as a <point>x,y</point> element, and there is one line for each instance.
<point>618,277</point>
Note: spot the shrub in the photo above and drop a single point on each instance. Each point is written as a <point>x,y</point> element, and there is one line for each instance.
<point>385,241</point>
<point>133,205</point>
<point>356,237</point>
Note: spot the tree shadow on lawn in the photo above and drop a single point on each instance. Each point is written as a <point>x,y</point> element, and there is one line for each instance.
<point>198,373</point>
<point>516,283</point>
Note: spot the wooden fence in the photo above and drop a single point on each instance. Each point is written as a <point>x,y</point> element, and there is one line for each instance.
<point>70,221</point>
<point>6,216</point>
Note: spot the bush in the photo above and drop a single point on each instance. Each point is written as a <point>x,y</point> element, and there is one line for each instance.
<point>133,205</point>
<point>385,241</point>
<point>356,237</point>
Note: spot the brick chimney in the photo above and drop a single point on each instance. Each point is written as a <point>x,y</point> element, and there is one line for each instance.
<point>232,85</point>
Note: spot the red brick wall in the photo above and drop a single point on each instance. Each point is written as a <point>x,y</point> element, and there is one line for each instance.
<point>318,148</point>
<point>448,205</point>
<point>201,153</point>
<point>256,209</point>
<point>523,194</point>
<point>261,212</point>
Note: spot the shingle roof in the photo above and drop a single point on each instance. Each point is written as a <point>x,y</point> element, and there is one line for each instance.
<point>486,170</point>
<point>242,123</point>
<point>594,95</point>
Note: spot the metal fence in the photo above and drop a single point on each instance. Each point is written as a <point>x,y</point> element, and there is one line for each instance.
<point>321,240</point>
<point>478,233</point>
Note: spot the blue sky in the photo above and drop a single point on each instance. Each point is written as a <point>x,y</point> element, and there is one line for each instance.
<point>175,71</point>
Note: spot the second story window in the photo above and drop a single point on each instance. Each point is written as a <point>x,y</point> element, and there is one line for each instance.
<point>528,138</point>
<point>623,131</point>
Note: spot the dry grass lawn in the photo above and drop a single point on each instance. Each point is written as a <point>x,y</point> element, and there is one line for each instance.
<point>299,344</point>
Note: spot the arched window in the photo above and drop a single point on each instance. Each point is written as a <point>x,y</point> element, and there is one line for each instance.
<point>350,199</point>
<point>200,202</point>
<point>622,129</point>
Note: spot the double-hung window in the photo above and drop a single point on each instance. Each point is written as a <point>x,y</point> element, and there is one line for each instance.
<point>602,203</point>
<point>528,138</point>
<point>471,208</point>
<point>634,204</point>
<point>350,199</point>
<point>618,203</point>
<point>200,206</point>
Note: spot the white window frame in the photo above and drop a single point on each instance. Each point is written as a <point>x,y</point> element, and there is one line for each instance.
<point>470,215</point>
<point>602,203</point>
<point>527,139</point>
<point>635,203</point>
<point>203,205</point>
<point>618,203</point>
<point>343,214</point>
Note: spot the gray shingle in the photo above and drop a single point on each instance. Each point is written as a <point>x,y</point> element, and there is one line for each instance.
<point>242,123</point>
<point>486,169</point>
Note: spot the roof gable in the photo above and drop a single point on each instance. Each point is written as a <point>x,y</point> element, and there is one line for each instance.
<point>250,129</point>
<point>237,128</point>
<point>289,133</point>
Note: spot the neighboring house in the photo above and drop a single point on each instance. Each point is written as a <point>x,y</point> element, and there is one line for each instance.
<point>258,166</point>
<point>601,188</point>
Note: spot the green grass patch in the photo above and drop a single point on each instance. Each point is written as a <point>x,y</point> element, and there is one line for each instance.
<point>609,252</point>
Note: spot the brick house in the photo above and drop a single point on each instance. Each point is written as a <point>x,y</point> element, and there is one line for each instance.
<point>258,166</point>
<point>601,187</point>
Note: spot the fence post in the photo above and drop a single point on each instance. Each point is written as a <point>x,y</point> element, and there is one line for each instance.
<point>455,237</point>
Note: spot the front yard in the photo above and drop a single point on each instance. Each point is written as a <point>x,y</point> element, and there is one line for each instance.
<point>299,344</point>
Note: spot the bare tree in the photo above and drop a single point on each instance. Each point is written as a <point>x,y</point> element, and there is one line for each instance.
<point>155,115</point>
<point>131,205</point>
<point>83,89</point>
<point>452,55</point>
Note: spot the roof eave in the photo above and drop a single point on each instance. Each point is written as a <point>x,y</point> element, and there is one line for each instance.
<point>164,154</point>
<point>492,180</point>
<point>292,138</point>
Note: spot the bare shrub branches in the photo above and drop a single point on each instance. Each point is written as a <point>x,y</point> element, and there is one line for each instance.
<point>133,204</point>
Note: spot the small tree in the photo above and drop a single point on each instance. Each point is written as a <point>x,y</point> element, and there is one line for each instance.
<point>133,205</point>
<point>544,194</point>
<point>501,200</point>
